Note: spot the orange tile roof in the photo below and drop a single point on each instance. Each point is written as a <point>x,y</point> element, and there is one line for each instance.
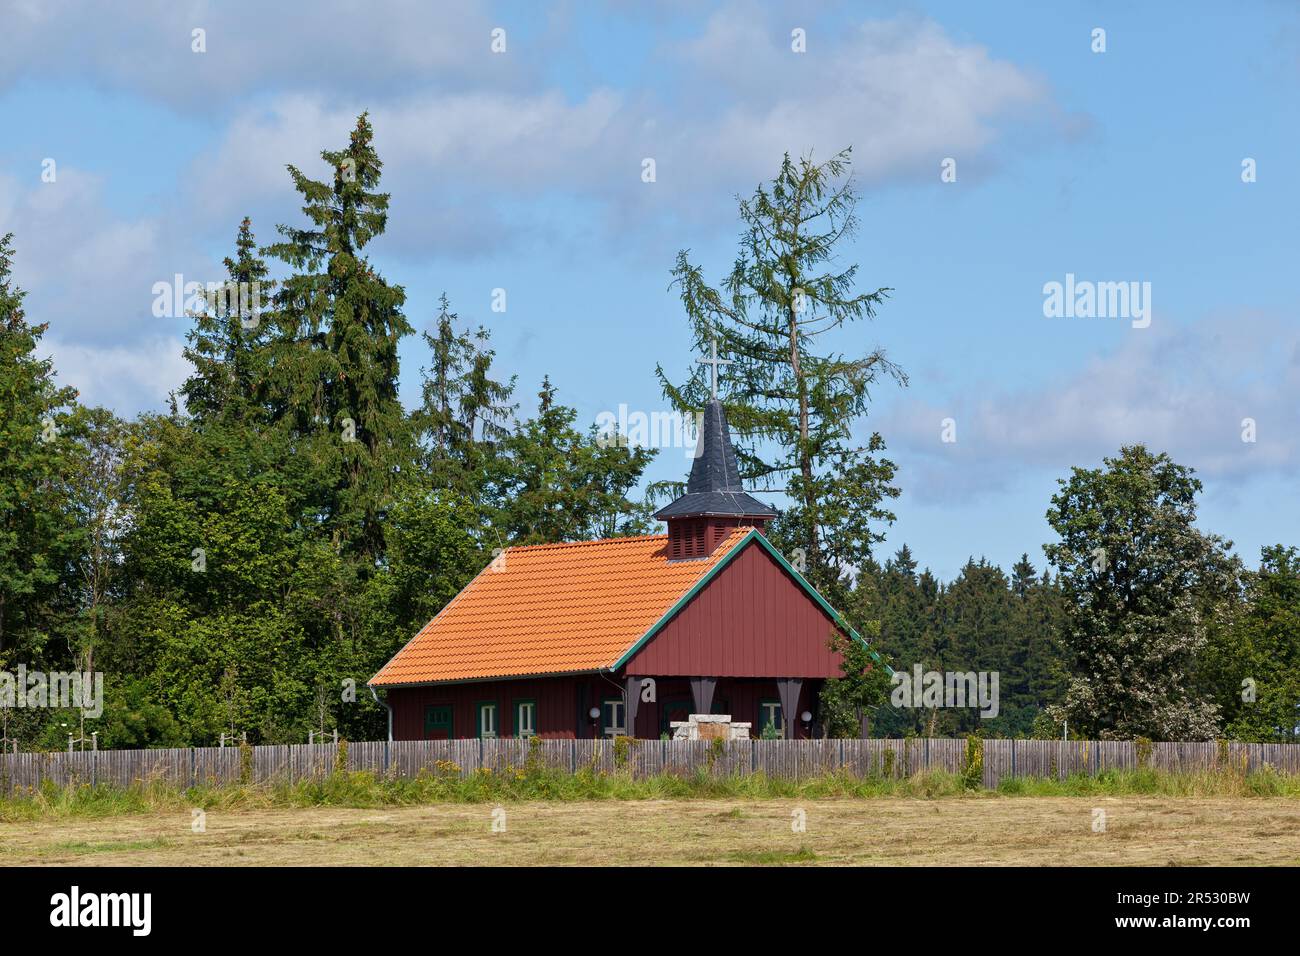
<point>551,609</point>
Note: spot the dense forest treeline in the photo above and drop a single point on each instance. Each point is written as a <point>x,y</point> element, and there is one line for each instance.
<point>232,564</point>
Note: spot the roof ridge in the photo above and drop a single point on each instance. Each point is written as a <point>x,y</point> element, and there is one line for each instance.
<point>579,544</point>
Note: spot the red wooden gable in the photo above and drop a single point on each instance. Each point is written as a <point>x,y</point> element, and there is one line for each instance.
<point>751,619</point>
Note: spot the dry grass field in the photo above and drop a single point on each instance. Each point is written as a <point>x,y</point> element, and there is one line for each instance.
<point>986,831</point>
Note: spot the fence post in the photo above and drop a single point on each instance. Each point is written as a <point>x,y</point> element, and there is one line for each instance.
<point>194,780</point>
<point>1013,756</point>
<point>386,744</point>
<point>94,767</point>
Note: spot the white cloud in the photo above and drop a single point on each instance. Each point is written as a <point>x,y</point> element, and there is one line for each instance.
<point>87,271</point>
<point>451,161</point>
<point>477,160</point>
<point>125,378</point>
<point>901,91</point>
<point>1181,390</point>
<point>145,47</point>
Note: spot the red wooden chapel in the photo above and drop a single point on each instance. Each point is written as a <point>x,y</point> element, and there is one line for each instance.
<point>626,635</point>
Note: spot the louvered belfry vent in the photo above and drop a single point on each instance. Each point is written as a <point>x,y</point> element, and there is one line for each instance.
<point>715,501</point>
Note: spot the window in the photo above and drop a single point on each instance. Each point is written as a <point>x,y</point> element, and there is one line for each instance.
<point>525,718</point>
<point>437,722</point>
<point>612,717</point>
<point>676,708</point>
<point>487,719</point>
<point>769,714</point>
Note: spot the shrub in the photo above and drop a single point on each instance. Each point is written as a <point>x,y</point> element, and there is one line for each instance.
<point>341,757</point>
<point>1142,751</point>
<point>622,750</point>
<point>245,763</point>
<point>972,771</point>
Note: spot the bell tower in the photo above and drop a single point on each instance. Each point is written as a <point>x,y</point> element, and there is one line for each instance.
<point>715,503</point>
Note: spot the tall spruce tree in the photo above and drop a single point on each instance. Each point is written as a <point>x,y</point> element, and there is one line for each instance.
<point>791,402</point>
<point>982,621</point>
<point>39,534</point>
<point>335,361</point>
<point>905,604</point>
<point>1038,620</point>
<point>1140,583</point>
<point>466,411</point>
<point>227,343</point>
<point>552,482</point>
<point>1252,665</point>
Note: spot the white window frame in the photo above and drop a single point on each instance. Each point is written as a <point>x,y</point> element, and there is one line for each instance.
<point>531,707</point>
<point>620,715</point>
<point>767,712</point>
<point>484,733</point>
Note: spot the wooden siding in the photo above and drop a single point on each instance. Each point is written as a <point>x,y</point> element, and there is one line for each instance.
<point>751,620</point>
<point>563,703</point>
<point>558,700</point>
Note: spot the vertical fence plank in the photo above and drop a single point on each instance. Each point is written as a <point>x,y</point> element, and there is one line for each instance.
<point>777,759</point>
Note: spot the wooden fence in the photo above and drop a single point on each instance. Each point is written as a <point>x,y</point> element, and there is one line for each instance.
<point>784,759</point>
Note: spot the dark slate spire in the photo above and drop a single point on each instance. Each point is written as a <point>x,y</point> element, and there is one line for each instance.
<point>714,485</point>
<point>714,468</point>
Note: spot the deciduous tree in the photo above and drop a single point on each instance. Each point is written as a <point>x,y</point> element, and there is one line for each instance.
<point>1140,581</point>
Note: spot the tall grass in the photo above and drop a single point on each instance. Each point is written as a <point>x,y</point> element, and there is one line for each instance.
<point>1148,782</point>
<point>364,789</point>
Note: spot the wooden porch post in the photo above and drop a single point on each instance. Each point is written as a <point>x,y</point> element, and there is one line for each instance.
<point>787,688</point>
<point>631,700</point>
<point>702,693</point>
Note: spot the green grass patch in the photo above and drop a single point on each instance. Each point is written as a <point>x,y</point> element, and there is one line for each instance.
<point>81,847</point>
<point>448,785</point>
<point>1156,783</point>
<point>772,857</point>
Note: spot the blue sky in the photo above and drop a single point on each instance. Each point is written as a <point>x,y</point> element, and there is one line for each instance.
<point>522,171</point>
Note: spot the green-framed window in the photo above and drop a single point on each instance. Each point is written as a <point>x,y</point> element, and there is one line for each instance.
<point>438,722</point>
<point>487,719</point>
<point>673,708</point>
<point>769,713</point>
<point>612,714</point>
<point>525,718</point>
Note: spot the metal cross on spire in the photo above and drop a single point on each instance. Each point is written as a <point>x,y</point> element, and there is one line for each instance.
<point>715,362</point>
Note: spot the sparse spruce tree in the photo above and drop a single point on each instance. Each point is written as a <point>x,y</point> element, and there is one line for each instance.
<point>466,411</point>
<point>793,403</point>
